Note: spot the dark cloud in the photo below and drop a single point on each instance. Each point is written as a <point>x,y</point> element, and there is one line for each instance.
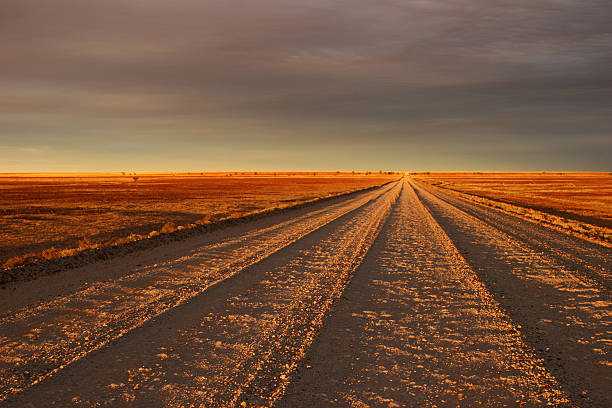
<point>469,84</point>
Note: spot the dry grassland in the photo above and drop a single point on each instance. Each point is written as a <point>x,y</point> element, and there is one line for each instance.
<point>44,216</point>
<point>578,203</point>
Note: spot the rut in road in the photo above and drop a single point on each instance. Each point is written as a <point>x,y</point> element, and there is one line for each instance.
<point>239,341</point>
<point>38,341</point>
<point>416,327</point>
<point>563,312</point>
<point>585,259</point>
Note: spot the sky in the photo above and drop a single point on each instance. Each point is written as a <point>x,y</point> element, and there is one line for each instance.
<point>213,85</point>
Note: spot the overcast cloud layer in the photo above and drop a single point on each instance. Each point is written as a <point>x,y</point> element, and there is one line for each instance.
<point>152,85</point>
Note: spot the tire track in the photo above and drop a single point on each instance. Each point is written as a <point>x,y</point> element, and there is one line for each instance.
<point>566,319</point>
<point>585,259</point>
<point>417,328</point>
<point>238,342</point>
<point>37,342</point>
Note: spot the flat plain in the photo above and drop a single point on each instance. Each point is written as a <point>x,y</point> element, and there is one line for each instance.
<point>579,202</point>
<point>46,216</point>
<point>405,295</point>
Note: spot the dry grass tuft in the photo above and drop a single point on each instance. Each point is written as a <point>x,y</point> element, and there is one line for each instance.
<point>168,227</point>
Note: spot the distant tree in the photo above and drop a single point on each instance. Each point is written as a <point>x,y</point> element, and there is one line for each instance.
<point>135,178</point>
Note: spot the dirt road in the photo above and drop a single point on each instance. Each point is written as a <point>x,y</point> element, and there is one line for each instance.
<point>400,296</point>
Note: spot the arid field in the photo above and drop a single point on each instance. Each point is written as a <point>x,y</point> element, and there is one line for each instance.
<point>578,202</point>
<point>51,215</point>
<point>408,294</point>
